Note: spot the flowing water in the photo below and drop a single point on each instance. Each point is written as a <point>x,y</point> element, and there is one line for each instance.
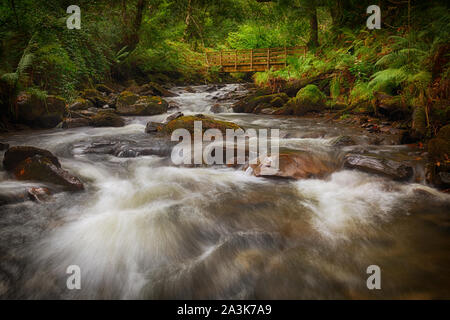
<point>146,229</point>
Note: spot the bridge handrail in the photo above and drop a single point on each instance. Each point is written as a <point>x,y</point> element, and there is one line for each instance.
<point>249,58</point>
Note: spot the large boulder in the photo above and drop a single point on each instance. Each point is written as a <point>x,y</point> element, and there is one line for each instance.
<point>153,127</point>
<point>46,113</point>
<point>104,88</point>
<point>342,141</point>
<point>96,97</point>
<point>30,163</point>
<point>174,116</point>
<point>438,168</point>
<point>81,104</point>
<point>70,123</point>
<point>106,119</point>
<point>154,89</point>
<point>14,155</point>
<point>126,98</point>
<point>4,146</point>
<point>308,99</point>
<point>39,168</point>
<point>380,166</point>
<point>129,104</point>
<point>293,166</point>
<point>391,106</point>
<point>187,122</point>
<point>260,100</point>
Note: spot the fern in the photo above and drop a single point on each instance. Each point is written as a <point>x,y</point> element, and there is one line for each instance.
<point>388,79</point>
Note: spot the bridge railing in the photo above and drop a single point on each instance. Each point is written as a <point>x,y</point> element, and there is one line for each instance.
<point>252,59</point>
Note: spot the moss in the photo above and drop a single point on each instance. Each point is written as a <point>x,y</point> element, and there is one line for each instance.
<point>335,88</point>
<point>266,99</point>
<point>106,119</point>
<point>277,102</point>
<point>444,133</point>
<point>419,120</point>
<point>41,113</point>
<point>81,104</point>
<point>187,122</point>
<point>311,94</point>
<point>362,96</point>
<point>308,99</point>
<point>90,93</point>
<point>104,88</point>
<point>143,106</point>
<point>127,98</point>
<point>439,149</point>
<point>250,102</point>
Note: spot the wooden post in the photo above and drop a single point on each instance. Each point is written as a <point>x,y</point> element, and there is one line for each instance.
<point>285,56</point>
<point>268,59</point>
<point>251,59</point>
<point>235,60</point>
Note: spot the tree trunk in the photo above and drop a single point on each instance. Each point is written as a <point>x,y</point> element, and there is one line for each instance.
<point>314,25</point>
<point>133,37</point>
<point>13,5</point>
<point>187,21</point>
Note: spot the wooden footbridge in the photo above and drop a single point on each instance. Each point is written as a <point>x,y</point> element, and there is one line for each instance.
<point>252,60</point>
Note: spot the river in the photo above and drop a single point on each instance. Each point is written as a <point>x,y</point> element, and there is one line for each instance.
<point>146,229</point>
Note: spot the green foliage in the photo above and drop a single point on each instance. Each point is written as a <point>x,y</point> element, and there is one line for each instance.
<point>311,94</point>
<point>335,87</point>
<point>254,35</point>
<point>362,70</point>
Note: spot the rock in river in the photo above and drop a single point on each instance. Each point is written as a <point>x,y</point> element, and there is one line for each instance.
<point>129,104</point>
<point>187,122</point>
<point>15,155</point>
<point>29,163</point>
<point>294,166</point>
<point>106,119</point>
<point>384,167</point>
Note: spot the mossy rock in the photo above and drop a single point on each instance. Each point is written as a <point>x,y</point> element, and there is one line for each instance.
<point>444,133</point>
<point>14,155</point>
<point>438,169</point>
<point>391,106</point>
<point>143,106</point>
<point>336,105</point>
<point>311,94</point>
<point>43,169</point>
<point>126,98</point>
<point>104,88</point>
<point>94,96</point>
<point>46,113</point>
<point>419,123</point>
<point>81,104</point>
<point>308,99</point>
<point>89,93</point>
<point>249,103</point>
<point>277,102</point>
<point>160,91</point>
<point>439,149</point>
<point>261,107</point>
<point>187,122</point>
<point>106,119</point>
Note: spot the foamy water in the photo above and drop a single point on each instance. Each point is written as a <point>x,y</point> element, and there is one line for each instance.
<point>146,229</point>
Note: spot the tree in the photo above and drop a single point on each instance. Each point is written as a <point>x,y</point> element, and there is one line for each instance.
<point>306,8</point>
<point>132,34</point>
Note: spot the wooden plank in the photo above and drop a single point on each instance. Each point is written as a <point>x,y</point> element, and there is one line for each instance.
<point>252,59</point>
